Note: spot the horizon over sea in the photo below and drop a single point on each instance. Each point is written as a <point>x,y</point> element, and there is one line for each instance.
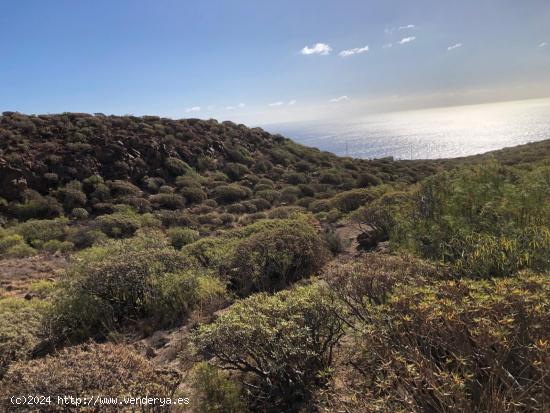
<point>427,133</point>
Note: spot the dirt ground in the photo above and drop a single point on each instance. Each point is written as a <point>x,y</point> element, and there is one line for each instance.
<point>17,273</point>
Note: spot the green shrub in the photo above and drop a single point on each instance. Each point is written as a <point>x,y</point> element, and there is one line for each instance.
<point>54,245</point>
<point>215,391</point>
<point>167,201</point>
<point>226,194</point>
<point>177,167</point>
<point>349,201</point>
<point>36,232</point>
<point>36,206</point>
<point>487,220</point>
<point>20,328</point>
<point>274,258</point>
<point>367,179</point>
<point>283,343</point>
<point>179,237</point>
<point>474,345</point>
<point>193,195</point>
<point>85,237</point>
<point>72,196</point>
<point>79,213</point>
<point>119,224</point>
<point>235,171</point>
<point>123,280</point>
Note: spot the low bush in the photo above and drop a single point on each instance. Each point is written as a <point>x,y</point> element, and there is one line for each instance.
<point>20,329</point>
<point>227,194</point>
<point>94,370</point>
<point>275,258</point>
<point>119,224</point>
<point>123,281</point>
<point>215,391</point>
<point>167,201</point>
<point>37,232</point>
<point>282,343</point>
<point>179,237</point>
<point>462,345</point>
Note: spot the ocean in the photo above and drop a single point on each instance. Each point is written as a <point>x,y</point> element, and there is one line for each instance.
<point>429,133</point>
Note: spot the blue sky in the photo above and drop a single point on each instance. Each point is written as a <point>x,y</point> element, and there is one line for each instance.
<point>263,62</point>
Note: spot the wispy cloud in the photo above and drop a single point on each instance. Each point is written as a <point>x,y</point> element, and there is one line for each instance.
<point>351,52</point>
<point>454,46</point>
<point>387,46</point>
<point>318,48</point>
<point>406,40</point>
<point>193,109</point>
<point>230,108</point>
<point>292,102</point>
<point>407,27</point>
<point>241,105</point>
<point>339,99</point>
<point>275,104</point>
<point>543,44</point>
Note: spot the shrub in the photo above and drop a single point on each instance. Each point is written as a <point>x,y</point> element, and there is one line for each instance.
<point>474,345</point>
<point>20,322</point>
<point>180,237</point>
<point>269,195</point>
<point>122,280</point>
<point>79,213</point>
<point>85,237</point>
<point>227,194</point>
<point>105,370</point>
<point>235,171</point>
<point>215,391</point>
<point>168,201</point>
<point>276,257</point>
<point>54,245</point>
<point>283,342</point>
<point>36,206</point>
<point>123,188</point>
<point>72,196</point>
<point>119,224</point>
<point>487,220</point>
<point>320,205</point>
<point>193,195</point>
<point>36,232</point>
<point>367,179</point>
<point>349,201</point>
<point>177,167</point>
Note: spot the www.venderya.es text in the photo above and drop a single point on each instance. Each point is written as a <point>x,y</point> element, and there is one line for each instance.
<point>31,400</point>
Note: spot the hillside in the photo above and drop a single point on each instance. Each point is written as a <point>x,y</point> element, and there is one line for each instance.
<point>247,273</point>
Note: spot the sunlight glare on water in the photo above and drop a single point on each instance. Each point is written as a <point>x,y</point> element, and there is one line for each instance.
<point>429,133</point>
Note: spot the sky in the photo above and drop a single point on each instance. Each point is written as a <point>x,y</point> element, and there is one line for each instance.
<point>262,62</point>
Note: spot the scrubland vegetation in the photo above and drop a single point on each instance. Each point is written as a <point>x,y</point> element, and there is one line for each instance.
<point>221,244</point>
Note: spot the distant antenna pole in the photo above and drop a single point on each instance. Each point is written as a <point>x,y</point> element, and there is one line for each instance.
<point>347,152</point>
<point>411,151</point>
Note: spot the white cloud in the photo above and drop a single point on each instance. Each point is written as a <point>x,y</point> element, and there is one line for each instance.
<point>407,40</point>
<point>275,104</point>
<point>292,102</point>
<point>387,46</point>
<point>241,105</point>
<point>318,48</point>
<point>389,30</point>
<point>193,109</point>
<point>339,99</point>
<point>454,46</point>
<point>408,26</point>
<point>229,107</point>
<point>543,44</point>
<point>351,52</point>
